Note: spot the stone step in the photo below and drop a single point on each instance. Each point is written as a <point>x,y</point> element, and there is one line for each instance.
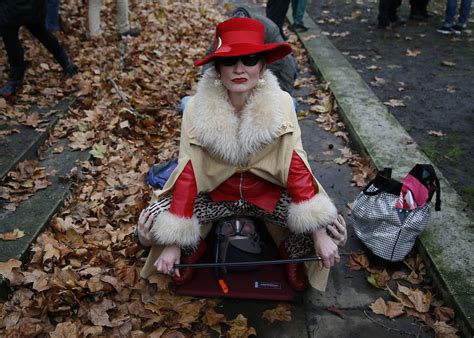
<point>20,146</point>
<point>35,213</point>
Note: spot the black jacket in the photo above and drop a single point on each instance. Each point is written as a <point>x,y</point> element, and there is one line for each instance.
<point>21,12</point>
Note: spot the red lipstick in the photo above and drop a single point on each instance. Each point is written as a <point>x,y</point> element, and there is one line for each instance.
<point>239,80</point>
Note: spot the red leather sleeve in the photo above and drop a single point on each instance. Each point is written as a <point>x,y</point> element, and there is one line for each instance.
<point>300,180</point>
<point>184,193</point>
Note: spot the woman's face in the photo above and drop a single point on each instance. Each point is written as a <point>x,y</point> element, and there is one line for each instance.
<point>239,78</point>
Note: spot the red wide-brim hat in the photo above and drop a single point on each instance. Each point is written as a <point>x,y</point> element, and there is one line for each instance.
<point>244,36</point>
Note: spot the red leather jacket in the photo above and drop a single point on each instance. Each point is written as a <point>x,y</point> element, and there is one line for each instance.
<point>245,186</point>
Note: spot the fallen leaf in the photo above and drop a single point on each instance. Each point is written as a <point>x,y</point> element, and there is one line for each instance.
<point>389,309</point>
<point>239,328</point>
<point>7,267</point>
<point>448,63</point>
<point>98,150</point>
<point>378,81</point>
<point>281,313</point>
<point>413,52</point>
<point>444,314</point>
<point>436,133</point>
<point>421,301</point>
<point>357,261</point>
<point>394,103</point>
<point>11,236</point>
<point>335,310</point>
<point>212,317</point>
<point>443,330</point>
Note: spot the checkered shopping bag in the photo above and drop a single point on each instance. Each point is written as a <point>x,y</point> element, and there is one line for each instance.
<point>388,215</point>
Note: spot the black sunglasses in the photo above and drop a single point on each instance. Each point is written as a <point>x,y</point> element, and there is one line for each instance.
<point>247,60</point>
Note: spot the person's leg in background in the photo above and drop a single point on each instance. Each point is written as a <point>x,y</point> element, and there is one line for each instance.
<point>39,31</point>
<point>383,17</point>
<point>52,16</point>
<point>447,27</point>
<point>123,25</point>
<point>464,12</point>
<point>16,60</point>
<point>93,14</point>
<point>393,12</point>
<point>276,11</point>
<point>298,7</point>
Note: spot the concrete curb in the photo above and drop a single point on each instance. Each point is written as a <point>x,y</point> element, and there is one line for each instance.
<point>446,243</point>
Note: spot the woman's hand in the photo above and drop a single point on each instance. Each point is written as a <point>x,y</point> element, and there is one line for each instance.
<point>325,248</point>
<point>168,258</point>
<point>145,223</point>
<point>338,231</point>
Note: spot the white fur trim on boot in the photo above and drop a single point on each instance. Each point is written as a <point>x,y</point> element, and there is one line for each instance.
<point>170,229</point>
<point>312,214</point>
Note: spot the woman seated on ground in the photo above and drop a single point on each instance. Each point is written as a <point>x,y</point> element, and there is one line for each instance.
<point>241,154</point>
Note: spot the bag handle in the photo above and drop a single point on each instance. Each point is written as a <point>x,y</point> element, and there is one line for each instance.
<point>429,168</point>
<point>384,174</point>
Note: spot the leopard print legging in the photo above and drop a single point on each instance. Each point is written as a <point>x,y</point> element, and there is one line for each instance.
<point>207,211</point>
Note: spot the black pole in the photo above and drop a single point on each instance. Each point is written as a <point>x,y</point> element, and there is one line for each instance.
<point>255,263</point>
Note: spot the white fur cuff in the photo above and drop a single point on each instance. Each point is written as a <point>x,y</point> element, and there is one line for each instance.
<point>170,229</point>
<point>312,214</point>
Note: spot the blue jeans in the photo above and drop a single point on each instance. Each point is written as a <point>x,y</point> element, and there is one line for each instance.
<point>52,15</point>
<point>298,7</point>
<point>464,11</point>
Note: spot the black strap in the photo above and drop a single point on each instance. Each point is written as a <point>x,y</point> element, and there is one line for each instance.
<point>429,168</point>
<point>383,183</point>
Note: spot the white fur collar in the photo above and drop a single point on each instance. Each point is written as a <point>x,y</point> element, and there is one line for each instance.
<point>228,136</point>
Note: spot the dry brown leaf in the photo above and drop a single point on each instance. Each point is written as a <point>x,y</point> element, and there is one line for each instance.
<point>447,63</point>
<point>239,328</point>
<point>189,313</point>
<point>436,133</point>
<point>444,314</point>
<point>443,330</point>
<point>281,313</point>
<point>394,103</point>
<point>389,309</point>
<point>338,312</point>
<point>98,313</point>
<point>11,236</point>
<point>413,52</point>
<point>357,261</point>
<point>65,329</point>
<point>421,301</point>
<point>212,317</point>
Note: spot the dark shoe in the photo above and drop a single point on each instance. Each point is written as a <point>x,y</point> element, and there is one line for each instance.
<point>427,14</point>
<point>300,28</point>
<point>445,29</point>
<point>10,88</point>
<point>417,17</point>
<point>133,32</point>
<point>70,69</point>
<point>295,272</point>
<point>15,81</point>
<point>457,28</point>
<point>399,21</point>
<point>386,26</point>
<point>187,274</point>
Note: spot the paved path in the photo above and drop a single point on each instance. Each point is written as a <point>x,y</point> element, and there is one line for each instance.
<point>434,81</point>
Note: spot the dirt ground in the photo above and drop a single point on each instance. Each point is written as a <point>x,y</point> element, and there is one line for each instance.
<point>429,73</point>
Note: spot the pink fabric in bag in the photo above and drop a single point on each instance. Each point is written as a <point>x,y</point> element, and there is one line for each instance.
<point>419,191</point>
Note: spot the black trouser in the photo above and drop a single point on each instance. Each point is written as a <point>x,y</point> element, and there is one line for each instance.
<point>15,52</point>
<point>388,11</point>
<point>418,7</point>
<point>276,11</point>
